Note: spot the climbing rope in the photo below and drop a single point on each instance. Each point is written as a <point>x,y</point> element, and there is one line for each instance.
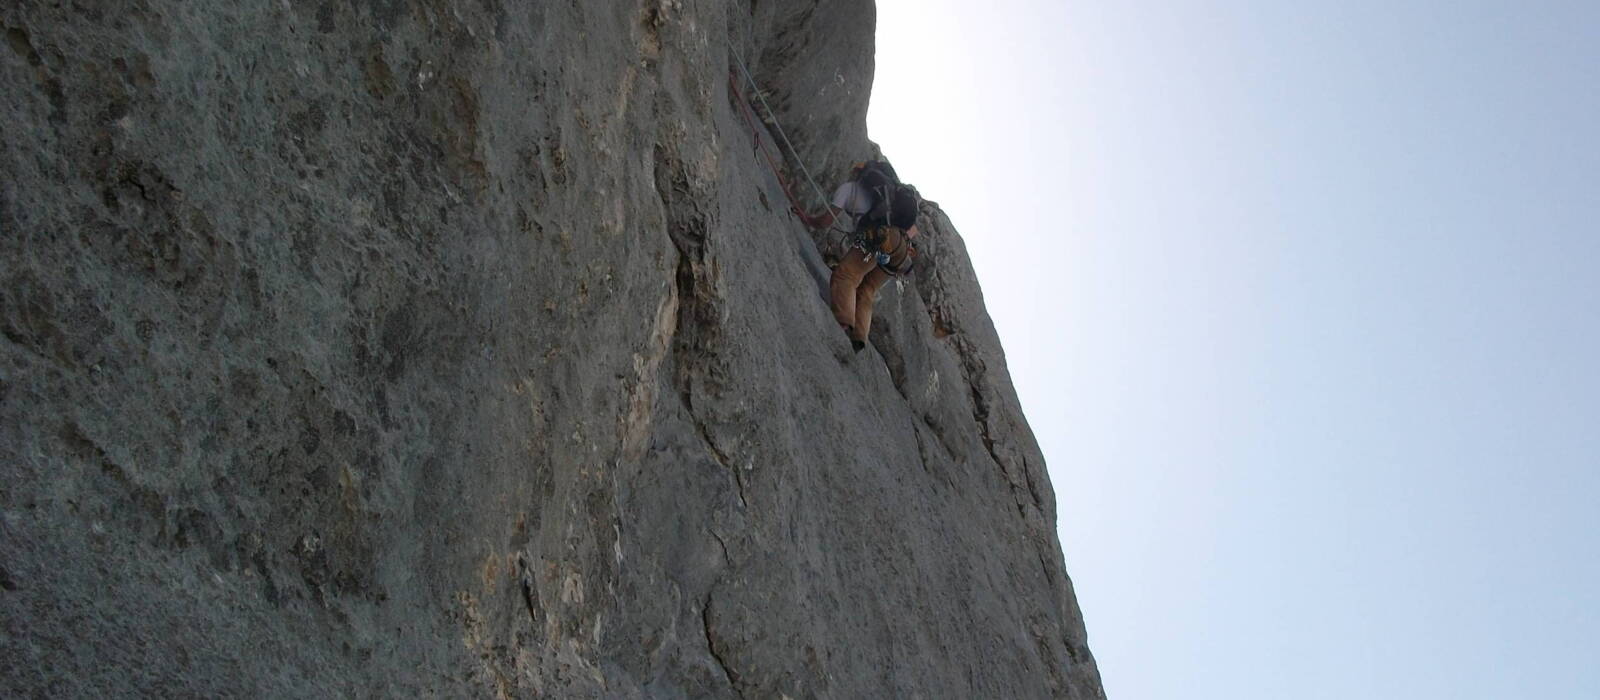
<point>772,118</point>
<point>761,143</point>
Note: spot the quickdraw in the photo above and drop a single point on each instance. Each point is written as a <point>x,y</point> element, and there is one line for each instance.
<point>871,242</point>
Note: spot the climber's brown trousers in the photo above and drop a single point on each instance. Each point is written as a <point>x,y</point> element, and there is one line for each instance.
<point>855,282</point>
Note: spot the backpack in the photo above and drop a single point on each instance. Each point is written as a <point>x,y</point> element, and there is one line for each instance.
<point>894,206</point>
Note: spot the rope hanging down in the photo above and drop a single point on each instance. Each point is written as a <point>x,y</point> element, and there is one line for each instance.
<point>761,143</point>
<point>772,118</point>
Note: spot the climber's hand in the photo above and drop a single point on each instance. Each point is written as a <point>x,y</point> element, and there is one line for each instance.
<point>807,219</point>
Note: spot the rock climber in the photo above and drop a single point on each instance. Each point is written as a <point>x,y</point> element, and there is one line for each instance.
<point>882,215</point>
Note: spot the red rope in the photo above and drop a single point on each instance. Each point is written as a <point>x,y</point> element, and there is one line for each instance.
<point>761,145</point>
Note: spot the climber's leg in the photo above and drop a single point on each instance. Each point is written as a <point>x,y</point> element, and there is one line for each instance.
<point>865,296</point>
<point>847,276</point>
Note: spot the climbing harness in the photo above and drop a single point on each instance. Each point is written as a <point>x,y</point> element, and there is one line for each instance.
<point>873,243</point>
<point>892,214</point>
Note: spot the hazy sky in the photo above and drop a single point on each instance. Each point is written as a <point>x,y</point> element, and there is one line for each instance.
<point>1303,303</point>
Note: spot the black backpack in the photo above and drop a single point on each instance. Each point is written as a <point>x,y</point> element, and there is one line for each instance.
<point>893,204</point>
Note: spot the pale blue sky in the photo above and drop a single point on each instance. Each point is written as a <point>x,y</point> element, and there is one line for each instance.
<point>1303,303</point>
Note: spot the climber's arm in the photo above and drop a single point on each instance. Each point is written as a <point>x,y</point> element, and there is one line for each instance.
<point>843,197</point>
<point>822,220</point>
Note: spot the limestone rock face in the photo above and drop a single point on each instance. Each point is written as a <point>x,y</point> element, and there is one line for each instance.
<point>411,347</point>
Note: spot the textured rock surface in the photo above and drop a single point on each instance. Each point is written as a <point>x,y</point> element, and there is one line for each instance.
<point>419,347</point>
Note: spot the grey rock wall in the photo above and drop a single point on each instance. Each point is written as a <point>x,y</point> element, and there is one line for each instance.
<point>428,348</point>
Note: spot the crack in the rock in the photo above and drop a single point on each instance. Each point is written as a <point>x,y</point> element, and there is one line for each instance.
<point>711,645</point>
<point>1037,621</point>
<point>688,307</point>
<point>695,320</point>
<point>946,327</point>
<point>939,436</point>
<point>980,405</point>
<point>1033,486</point>
<point>922,450</point>
<point>1049,572</point>
<point>529,595</point>
<point>711,448</point>
<point>722,543</point>
<point>972,371</point>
